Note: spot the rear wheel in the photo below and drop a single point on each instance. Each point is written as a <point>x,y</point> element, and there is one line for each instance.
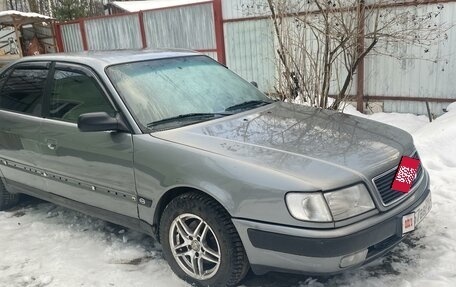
<point>7,200</point>
<point>201,243</point>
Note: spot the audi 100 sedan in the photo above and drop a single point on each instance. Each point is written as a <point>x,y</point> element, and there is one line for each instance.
<point>175,145</point>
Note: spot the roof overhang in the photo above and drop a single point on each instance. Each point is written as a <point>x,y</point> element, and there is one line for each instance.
<point>17,18</point>
<point>136,6</point>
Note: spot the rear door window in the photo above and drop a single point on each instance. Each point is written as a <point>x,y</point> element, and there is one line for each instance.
<point>23,90</point>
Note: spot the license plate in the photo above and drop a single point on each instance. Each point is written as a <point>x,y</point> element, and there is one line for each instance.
<point>411,220</point>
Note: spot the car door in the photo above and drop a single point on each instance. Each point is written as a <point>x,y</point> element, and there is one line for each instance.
<point>95,168</point>
<point>21,98</point>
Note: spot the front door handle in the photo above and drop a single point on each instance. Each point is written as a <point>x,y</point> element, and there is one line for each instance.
<point>51,144</point>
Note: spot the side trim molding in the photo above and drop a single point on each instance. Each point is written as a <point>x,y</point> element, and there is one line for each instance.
<point>126,221</point>
<point>70,181</point>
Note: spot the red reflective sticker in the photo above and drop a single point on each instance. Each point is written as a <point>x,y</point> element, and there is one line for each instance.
<point>408,223</point>
<point>405,174</point>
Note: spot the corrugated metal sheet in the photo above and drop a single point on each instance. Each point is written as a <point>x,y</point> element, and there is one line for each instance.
<point>120,32</point>
<point>239,37</point>
<point>235,9</point>
<point>414,107</point>
<point>190,27</point>
<point>415,71</point>
<point>238,9</point>
<point>71,37</point>
<point>250,51</point>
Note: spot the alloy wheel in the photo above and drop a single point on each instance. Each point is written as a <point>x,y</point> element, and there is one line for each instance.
<point>195,246</point>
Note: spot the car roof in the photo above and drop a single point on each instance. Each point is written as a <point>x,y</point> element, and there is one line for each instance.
<point>103,59</point>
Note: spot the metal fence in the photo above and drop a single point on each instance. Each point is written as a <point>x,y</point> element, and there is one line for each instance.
<point>71,37</point>
<point>191,26</point>
<point>239,34</point>
<point>398,84</point>
<point>121,32</point>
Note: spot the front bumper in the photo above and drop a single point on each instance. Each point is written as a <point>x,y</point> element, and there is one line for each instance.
<point>319,252</point>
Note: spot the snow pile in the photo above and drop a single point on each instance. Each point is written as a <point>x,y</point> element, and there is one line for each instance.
<point>45,245</point>
<point>135,6</point>
<point>452,107</point>
<point>436,143</point>
<point>407,122</point>
<point>11,17</point>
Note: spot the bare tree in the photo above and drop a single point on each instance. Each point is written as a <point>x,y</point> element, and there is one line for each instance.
<point>34,6</point>
<point>320,43</point>
<point>20,5</point>
<point>61,9</point>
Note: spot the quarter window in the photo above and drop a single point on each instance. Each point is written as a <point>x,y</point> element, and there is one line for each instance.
<point>75,93</point>
<point>23,91</point>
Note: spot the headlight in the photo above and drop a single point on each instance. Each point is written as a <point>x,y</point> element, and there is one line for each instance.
<point>308,207</point>
<point>348,202</point>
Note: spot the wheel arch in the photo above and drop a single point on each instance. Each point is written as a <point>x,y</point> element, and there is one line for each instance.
<point>168,196</point>
<point>3,180</point>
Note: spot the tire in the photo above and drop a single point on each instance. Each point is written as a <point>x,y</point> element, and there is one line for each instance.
<point>7,200</point>
<point>208,232</point>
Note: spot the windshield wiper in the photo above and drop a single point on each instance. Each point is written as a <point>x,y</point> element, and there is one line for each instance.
<point>248,105</point>
<point>192,117</point>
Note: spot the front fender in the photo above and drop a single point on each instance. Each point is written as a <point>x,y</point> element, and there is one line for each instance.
<point>245,190</point>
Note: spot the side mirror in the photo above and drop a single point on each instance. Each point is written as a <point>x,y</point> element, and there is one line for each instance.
<point>101,122</point>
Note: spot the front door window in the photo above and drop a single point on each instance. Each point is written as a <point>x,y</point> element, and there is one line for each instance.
<point>75,93</point>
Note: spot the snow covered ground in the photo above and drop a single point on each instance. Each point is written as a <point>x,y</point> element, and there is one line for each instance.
<point>45,245</point>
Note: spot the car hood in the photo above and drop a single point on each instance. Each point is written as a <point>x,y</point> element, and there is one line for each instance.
<point>326,149</point>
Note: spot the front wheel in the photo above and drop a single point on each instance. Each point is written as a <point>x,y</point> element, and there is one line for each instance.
<point>201,243</point>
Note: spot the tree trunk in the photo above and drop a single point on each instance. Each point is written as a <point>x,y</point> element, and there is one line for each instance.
<point>350,74</point>
<point>33,6</point>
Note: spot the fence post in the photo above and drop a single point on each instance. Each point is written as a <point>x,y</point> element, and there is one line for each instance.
<point>219,33</point>
<point>142,29</point>
<point>360,68</point>
<point>58,37</point>
<point>85,46</point>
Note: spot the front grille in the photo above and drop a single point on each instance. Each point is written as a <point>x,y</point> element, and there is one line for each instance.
<point>375,250</point>
<point>384,182</point>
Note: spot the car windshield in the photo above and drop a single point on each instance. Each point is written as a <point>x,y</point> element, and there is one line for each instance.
<point>180,89</point>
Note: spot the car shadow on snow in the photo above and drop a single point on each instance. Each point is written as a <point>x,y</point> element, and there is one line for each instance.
<point>391,264</point>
